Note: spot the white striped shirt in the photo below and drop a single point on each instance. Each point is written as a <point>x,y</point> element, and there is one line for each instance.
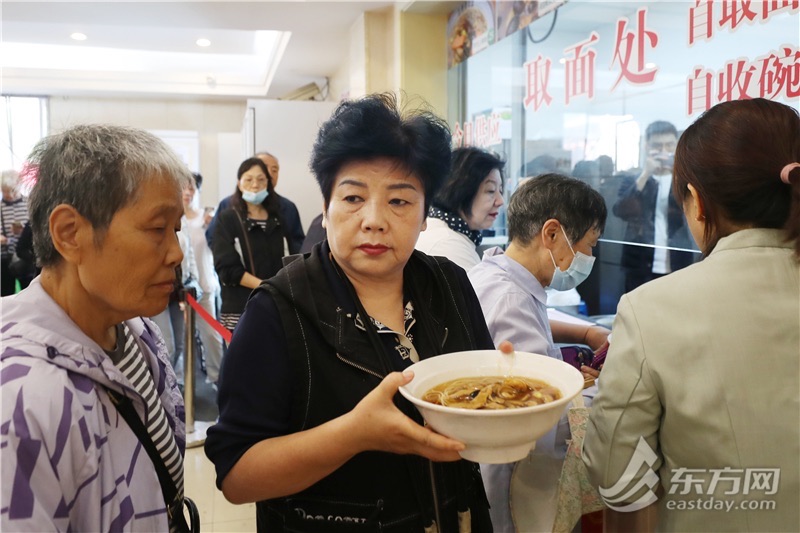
<point>131,363</point>
<point>14,211</point>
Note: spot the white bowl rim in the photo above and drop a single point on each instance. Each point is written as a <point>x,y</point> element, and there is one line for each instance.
<point>517,411</point>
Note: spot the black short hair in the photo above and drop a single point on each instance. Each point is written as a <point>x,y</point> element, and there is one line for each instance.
<point>373,127</point>
<point>470,167</point>
<point>198,180</point>
<point>541,164</point>
<point>572,202</point>
<point>660,127</point>
<point>586,170</point>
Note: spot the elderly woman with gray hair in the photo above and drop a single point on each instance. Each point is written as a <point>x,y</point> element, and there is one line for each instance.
<point>86,382</point>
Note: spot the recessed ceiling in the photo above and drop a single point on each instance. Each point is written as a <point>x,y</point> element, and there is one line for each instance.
<point>258,49</point>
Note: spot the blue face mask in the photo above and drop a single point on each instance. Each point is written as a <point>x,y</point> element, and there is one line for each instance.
<point>255,197</point>
<point>578,271</point>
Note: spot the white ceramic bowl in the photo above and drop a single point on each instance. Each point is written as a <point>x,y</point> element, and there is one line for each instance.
<point>493,436</point>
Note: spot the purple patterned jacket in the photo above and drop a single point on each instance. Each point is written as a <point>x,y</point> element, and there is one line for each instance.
<point>69,460</point>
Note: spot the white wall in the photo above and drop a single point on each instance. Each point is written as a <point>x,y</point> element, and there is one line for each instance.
<point>287,130</point>
<point>231,155</point>
<point>208,118</point>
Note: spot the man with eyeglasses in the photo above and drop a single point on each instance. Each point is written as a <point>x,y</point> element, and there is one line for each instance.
<point>655,222</point>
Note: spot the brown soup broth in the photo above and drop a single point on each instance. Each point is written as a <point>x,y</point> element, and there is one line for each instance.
<point>492,392</point>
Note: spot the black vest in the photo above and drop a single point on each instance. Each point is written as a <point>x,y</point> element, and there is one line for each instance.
<point>334,365</point>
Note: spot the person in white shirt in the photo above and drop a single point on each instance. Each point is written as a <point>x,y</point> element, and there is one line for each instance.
<point>195,221</point>
<point>468,203</point>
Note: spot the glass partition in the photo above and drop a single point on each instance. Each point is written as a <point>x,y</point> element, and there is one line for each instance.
<point>601,91</point>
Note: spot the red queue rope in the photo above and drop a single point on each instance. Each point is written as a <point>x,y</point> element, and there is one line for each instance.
<point>219,328</point>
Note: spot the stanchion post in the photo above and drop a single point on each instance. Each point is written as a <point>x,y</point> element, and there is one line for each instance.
<point>195,432</point>
<point>188,361</point>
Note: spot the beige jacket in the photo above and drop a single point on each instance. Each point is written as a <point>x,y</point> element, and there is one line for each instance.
<point>705,366</point>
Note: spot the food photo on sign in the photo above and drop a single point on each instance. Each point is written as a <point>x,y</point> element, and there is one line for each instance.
<point>513,16</point>
<point>469,30</point>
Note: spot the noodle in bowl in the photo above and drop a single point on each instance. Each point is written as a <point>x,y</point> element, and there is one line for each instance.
<point>493,435</point>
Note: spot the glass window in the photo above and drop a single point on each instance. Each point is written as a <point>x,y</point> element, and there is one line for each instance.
<point>601,91</point>
<point>24,123</point>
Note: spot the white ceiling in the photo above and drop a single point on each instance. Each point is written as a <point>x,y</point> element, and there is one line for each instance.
<point>141,48</point>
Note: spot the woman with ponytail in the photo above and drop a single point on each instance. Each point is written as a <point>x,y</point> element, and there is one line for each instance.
<point>704,369</point>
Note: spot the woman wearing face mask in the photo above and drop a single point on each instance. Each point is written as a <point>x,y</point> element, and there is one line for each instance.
<point>248,239</point>
<point>553,224</point>
<point>467,203</point>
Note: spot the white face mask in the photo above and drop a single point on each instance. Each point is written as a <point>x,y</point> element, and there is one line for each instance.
<point>255,197</point>
<point>578,271</point>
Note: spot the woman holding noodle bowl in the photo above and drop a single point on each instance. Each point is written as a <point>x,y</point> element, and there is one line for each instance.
<point>311,427</point>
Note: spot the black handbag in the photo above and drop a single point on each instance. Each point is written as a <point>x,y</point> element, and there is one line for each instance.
<point>177,519</point>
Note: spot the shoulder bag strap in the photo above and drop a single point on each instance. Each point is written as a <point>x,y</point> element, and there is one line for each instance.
<point>168,488</point>
<point>246,242</point>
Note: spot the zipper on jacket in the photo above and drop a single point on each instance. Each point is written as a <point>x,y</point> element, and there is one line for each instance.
<point>341,358</point>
